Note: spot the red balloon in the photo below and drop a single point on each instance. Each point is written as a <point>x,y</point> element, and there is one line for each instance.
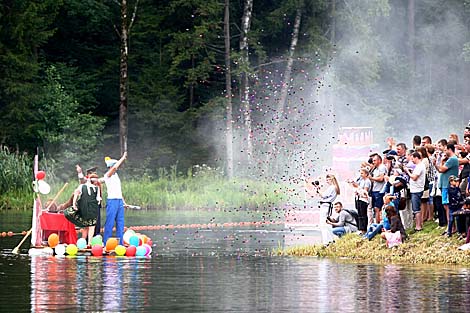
<point>97,250</point>
<point>131,250</point>
<point>40,175</point>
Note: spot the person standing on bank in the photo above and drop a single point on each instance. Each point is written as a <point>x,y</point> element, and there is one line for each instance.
<point>114,199</point>
<point>326,204</point>
<point>417,179</point>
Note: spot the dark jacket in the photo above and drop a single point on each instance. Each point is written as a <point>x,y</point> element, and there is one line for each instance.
<point>397,225</point>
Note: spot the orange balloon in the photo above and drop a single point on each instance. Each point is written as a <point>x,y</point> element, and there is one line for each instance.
<point>111,244</point>
<point>53,240</point>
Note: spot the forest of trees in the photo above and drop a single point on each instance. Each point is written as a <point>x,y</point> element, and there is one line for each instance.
<point>180,87</point>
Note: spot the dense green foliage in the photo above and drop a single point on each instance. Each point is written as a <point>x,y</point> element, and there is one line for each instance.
<point>357,63</point>
<point>16,175</point>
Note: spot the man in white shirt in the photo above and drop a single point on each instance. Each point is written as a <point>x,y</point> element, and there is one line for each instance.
<point>417,179</point>
<point>114,200</point>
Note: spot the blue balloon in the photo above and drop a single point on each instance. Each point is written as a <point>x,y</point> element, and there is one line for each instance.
<point>141,251</point>
<point>81,243</point>
<point>134,241</point>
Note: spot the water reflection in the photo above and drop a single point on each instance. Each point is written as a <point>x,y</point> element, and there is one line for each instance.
<point>247,284</point>
<point>110,284</point>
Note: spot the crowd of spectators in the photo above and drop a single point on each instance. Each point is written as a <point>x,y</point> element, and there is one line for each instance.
<point>401,188</point>
<point>412,185</point>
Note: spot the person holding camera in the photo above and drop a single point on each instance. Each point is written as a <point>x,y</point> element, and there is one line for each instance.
<point>362,187</point>
<point>327,196</point>
<point>345,222</point>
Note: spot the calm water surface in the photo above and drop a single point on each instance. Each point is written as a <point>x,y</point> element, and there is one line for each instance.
<point>223,270</point>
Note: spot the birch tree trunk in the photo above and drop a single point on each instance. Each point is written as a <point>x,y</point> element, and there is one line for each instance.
<point>228,87</point>
<point>279,115</point>
<point>244,81</point>
<point>123,79</point>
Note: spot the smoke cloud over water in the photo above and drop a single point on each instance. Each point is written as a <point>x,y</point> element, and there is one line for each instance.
<point>379,75</point>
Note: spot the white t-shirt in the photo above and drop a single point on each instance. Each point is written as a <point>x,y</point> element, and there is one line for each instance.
<point>418,184</point>
<point>377,186</point>
<point>113,186</point>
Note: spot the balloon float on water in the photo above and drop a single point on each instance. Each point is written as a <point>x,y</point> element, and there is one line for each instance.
<point>134,241</point>
<point>111,244</point>
<point>140,251</point>
<point>131,250</point>
<point>97,250</point>
<point>59,250</point>
<point>81,243</point>
<point>53,240</point>
<point>120,250</point>
<point>71,249</point>
<point>127,235</point>
<point>97,240</point>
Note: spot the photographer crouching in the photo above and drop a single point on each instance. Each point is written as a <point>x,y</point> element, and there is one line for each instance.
<point>345,223</point>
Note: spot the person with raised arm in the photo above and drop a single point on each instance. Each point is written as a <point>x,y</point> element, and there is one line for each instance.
<point>114,199</point>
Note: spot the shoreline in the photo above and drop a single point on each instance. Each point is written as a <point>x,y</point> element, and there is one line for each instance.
<point>424,247</point>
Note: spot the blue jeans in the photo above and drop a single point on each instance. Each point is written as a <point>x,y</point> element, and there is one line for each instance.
<point>377,199</point>
<point>416,201</point>
<point>114,213</point>
<point>451,219</point>
<point>373,230</point>
<point>339,231</point>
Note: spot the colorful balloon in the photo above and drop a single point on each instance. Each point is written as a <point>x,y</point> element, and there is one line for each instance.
<point>127,235</point>
<point>81,243</point>
<point>40,175</point>
<point>53,240</point>
<point>71,249</point>
<point>111,244</point>
<point>131,250</point>
<point>97,240</point>
<point>44,187</point>
<point>59,250</point>
<point>120,250</point>
<point>134,241</point>
<point>97,250</point>
<point>140,251</point>
<point>147,248</point>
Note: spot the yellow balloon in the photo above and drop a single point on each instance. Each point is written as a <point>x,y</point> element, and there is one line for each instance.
<point>120,250</point>
<point>71,249</point>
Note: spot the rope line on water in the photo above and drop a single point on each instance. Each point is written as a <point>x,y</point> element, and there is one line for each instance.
<point>175,226</point>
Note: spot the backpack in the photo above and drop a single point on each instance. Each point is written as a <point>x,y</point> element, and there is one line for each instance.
<point>354,214</point>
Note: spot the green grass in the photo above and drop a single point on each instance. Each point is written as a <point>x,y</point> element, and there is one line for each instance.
<point>173,193</point>
<point>424,247</point>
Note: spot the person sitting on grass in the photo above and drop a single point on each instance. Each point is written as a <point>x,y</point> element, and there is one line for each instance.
<point>384,225</point>
<point>345,222</point>
<point>397,234</point>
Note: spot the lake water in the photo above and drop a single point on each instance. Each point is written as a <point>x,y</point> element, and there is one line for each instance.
<point>222,270</point>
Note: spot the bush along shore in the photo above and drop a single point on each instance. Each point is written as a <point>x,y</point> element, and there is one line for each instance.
<point>425,247</point>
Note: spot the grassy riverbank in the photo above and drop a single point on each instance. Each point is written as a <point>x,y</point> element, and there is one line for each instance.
<point>424,247</point>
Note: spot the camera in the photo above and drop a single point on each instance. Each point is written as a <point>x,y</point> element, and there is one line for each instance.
<point>390,157</point>
<point>316,183</point>
<point>328,218</point>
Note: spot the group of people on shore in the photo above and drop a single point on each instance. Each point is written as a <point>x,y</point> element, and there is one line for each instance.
<point>401,188</point>
<point>83,207</point>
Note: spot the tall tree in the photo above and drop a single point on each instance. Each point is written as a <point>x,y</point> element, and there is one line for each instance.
<point>244,78</point>
<point>228,91</point>
<point>126,25</point>
<point>286,85</point>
